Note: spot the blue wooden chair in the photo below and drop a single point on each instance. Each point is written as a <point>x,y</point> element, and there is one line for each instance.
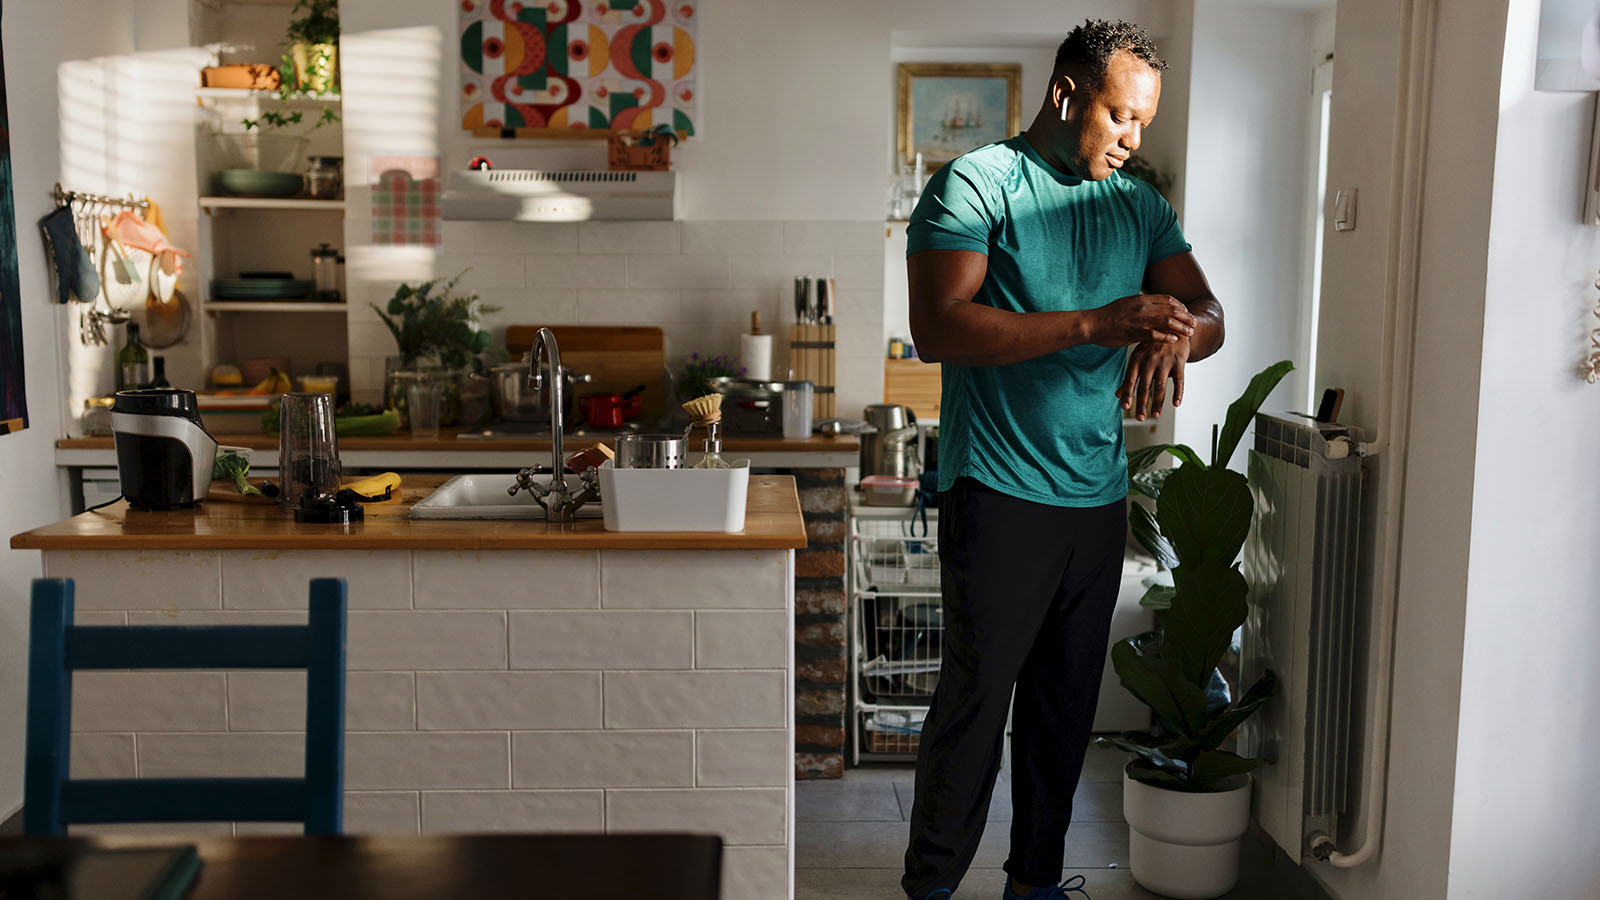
<point>52,801</point>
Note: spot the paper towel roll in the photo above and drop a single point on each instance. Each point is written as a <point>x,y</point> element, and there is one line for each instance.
<point>755,353</point>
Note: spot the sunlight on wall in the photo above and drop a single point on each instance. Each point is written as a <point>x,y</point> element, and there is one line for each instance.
<point>391,81</point>
<point>127,127</point>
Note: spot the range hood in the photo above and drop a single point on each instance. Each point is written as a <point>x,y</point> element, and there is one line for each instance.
<point>533,195</point>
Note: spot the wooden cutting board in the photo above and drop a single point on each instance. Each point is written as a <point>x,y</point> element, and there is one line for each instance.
<point>617,358</point>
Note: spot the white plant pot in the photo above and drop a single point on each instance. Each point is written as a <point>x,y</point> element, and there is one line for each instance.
<point>1185,845</point>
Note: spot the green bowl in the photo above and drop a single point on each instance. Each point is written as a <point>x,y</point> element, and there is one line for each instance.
<point>255,183</point>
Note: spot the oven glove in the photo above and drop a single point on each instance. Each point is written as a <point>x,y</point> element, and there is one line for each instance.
<point>76,278</point>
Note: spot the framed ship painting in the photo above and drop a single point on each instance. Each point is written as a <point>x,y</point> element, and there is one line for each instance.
<point>947,109</point>
<point>13,391</point>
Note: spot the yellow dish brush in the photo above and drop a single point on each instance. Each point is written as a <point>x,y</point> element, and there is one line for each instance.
<point>705,410</point>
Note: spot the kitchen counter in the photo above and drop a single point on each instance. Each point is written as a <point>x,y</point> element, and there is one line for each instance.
<point>502,676</point>
<point>451,453</point>
<point>772,522</point>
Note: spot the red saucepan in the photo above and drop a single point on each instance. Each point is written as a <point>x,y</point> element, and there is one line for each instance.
<point>611,410</point>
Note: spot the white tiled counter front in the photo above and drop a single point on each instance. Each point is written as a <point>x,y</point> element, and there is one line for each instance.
<point>499,690</point>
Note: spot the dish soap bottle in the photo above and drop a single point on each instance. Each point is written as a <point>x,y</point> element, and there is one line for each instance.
<point>713,458</point>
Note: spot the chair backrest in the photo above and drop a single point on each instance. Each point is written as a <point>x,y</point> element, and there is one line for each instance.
<point>52,801</point>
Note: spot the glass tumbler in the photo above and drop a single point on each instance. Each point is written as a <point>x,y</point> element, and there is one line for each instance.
<point>424,401</point>
<point>308,448</point>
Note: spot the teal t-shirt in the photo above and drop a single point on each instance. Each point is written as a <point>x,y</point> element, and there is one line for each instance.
<point>1047,429</point>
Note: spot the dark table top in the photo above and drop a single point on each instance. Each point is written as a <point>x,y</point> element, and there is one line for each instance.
<point>394,867</point>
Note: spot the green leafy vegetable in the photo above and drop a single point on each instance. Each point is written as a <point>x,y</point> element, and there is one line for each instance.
<point>231,465</point>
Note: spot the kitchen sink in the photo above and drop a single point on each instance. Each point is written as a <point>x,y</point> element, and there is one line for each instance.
<point>483,496</point>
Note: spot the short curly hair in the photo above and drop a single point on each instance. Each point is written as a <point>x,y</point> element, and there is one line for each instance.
<point>1092,44</point>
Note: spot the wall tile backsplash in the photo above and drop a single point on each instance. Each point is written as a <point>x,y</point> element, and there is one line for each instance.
<point>698,280</point>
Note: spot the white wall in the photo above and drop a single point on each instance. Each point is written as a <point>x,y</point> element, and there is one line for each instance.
<point>35,44</point>
<point>1433,466</point>
<point>1520,792</point>
<point>1244,199</point>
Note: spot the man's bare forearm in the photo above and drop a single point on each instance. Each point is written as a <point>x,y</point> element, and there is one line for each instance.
<point>1208,329</point>
<point>971,334</point>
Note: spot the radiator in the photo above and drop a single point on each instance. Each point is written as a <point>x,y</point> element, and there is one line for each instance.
<point>1300,561</point>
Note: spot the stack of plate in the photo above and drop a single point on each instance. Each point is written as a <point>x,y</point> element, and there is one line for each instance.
<point>260,289</point>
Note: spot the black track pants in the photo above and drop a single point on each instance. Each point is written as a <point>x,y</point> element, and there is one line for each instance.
<point>1028,595</point>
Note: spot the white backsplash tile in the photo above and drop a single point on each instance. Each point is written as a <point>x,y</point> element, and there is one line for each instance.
<point>276,701</point>
<point>762,271</point>
<point>478,271</point>
<point>693,579</point>
<point>741,639</point>
<point>755,873</point>
<point>732,237</point>
<point>102,756</point>
<point>744,758</point>
<point>492,811</point>
<point>382,812</point>
<point>654,306</point>
<point>224,755</point>
<point>139,579</point>
<point>512,238</point>
<point>435,760</point>
<point>578,272</point>
<point>507,701</point>
<point>700,699</point>
<point>426,640</point>
<point>506,579</point>
<point>274,579</point>
<point>653,272</point>
<point>742,816</point>
<point>833,237</point>
<point>860,272</point>
<point>149,701</point>
<point>627,237</point>
<point>602,639</point>
<point>602,759</point>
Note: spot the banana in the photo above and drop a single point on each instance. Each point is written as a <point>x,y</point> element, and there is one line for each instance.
<point>377,485</point>
<point>275,383</point>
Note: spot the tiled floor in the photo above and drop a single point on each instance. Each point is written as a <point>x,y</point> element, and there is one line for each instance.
<point>851,838</point>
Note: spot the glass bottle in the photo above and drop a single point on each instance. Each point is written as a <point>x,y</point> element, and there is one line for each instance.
<point>133,362</point>
<point>160,379</point>
<point>713,458</point>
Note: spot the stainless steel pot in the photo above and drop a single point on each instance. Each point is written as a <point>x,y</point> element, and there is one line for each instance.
<point>512,400</point>
<point>650,451</point>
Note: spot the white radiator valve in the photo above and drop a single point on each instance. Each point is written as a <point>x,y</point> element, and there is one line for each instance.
<point>1338,448</point>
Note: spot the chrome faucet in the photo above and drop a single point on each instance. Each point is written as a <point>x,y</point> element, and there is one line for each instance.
<point>560,504</point>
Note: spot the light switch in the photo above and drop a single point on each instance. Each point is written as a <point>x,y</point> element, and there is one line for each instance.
<point>1344,209</point>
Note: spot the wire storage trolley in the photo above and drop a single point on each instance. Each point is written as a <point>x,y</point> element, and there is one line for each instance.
<point>896,630</point>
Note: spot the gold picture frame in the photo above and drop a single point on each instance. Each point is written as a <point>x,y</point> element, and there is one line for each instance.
<point>960,109</point>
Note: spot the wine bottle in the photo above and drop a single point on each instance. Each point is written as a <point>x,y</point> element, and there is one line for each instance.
<point>160,379</point>
<point>133,362</point>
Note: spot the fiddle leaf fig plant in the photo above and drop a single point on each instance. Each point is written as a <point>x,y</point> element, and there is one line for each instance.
<point>1195,525</point>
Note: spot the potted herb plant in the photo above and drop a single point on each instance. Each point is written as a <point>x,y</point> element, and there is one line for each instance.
<point>1186,799</point>
<point>436,332</point>
<point>314,45</point>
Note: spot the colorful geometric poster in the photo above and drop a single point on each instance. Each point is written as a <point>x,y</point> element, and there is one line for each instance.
<point>602,64</point>
<point>13,391</point>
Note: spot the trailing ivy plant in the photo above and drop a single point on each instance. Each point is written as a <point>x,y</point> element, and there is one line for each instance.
<point>1197,526</point>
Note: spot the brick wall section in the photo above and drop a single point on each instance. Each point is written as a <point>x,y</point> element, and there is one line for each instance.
<point>820,628</point>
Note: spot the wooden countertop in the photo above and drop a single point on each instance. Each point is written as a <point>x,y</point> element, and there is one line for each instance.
<point>772,522</point>
<point>447,441</point>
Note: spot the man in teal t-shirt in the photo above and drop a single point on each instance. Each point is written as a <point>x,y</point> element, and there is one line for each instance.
<point>1033,268</point>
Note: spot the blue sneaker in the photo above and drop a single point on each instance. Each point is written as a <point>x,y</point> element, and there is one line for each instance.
<point>1050,891</point>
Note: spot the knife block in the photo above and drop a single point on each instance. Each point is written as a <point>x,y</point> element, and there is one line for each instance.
<point>811,358</point>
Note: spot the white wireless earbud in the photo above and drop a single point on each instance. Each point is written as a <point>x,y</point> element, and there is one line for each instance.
<point>1063,109</point>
